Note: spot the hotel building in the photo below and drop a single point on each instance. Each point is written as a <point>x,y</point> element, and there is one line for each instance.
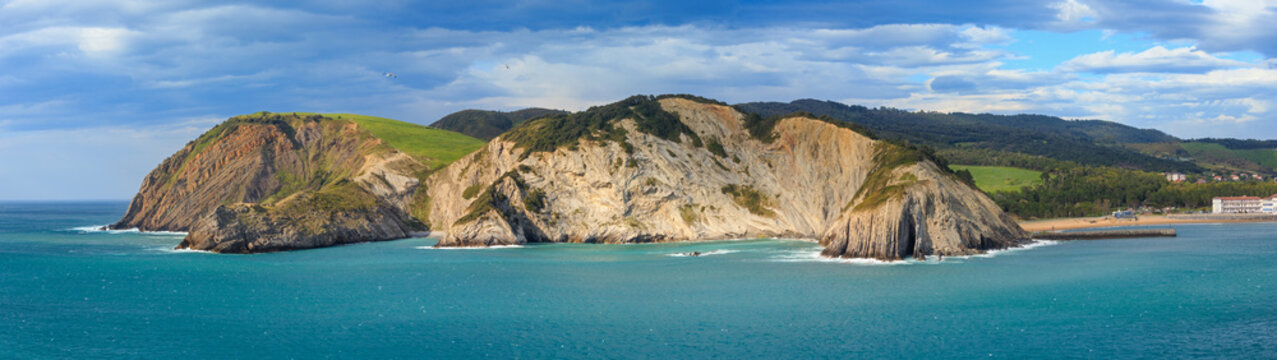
<point>1244,205</point>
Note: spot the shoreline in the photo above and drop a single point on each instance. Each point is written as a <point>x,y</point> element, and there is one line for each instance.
<point>1108,221</point>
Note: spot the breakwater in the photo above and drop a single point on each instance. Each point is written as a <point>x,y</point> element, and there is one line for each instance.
<point>1105,234</point>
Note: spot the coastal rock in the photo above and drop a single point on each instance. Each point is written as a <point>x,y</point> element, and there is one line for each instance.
<point>248,228</point>
<point>646,169</point>
<point>723,183</point>
<point>270,182</point>
<point>932,215</point>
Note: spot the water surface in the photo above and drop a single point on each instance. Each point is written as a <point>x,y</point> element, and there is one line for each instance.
<point>70,293</point>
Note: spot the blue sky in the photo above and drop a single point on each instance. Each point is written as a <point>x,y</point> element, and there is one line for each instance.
<point>94,93</point>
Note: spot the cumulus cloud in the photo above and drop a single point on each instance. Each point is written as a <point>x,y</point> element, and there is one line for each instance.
<point>103,71</point>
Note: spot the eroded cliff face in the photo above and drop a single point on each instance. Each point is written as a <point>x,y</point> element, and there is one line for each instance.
<point>925,213</point>
<point>640,170</point>
<point>639,187</point>
<point>269,182</point>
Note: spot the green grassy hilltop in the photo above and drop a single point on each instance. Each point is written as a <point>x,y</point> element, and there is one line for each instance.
<point>993,179</point>
<point>433,147</point>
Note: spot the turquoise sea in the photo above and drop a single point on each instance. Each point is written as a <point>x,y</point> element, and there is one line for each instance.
<point>69,292</point>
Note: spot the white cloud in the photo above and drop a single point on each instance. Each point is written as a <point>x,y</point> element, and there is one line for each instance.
<point>1219,103</point>
<point>987,35</point>
<point>1073,13</point>
<point>1213,25</point>
<point>103,41</point>
<point>118,74</point>
<point>91,41</point>
<point>1156,59</point>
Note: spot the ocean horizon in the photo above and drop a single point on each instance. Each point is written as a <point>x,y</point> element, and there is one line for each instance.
<point>68,290</point>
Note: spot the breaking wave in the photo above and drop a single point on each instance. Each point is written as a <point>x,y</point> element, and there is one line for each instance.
<point>101,229</point>
<point>707,253</point>
<point>813,255</point>
<point>169,250</point>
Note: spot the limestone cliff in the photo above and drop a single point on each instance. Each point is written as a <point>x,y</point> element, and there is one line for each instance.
<point>645,169</point>
<point>649,170</point>
<point>270,182</point>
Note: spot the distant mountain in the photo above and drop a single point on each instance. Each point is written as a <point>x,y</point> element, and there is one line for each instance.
<point>1092,142</point>
<point>1219,155</point>
<point>485,124</point>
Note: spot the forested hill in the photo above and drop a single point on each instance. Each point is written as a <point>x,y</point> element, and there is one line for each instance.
<point>1091,142</point>
<point>484,124</point>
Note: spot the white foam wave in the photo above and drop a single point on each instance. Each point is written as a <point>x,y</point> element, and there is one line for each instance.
<point>706,253</point>
<point>169,250</point>
<point>814,256</point>
<point>470,247</point>
<point>102,229</point>
<point>991,253</point>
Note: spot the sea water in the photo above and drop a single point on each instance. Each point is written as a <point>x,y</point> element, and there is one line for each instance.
<point>70,291</point>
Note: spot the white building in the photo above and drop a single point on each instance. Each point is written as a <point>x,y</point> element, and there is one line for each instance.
<point>1176,177</point>
<point>1244,205</point>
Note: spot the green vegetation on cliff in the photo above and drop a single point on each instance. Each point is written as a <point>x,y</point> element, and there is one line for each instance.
<point>748,197</point>
<point>324,181</point>
<point>598,123</point>
<point>486,125</point>
<point>882,185</point>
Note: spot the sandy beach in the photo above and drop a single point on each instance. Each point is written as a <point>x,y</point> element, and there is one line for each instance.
<point>1108,221</point>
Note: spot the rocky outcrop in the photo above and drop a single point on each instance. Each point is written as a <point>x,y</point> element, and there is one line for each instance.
<point>645,169</point>
<point>799,177</point>
<point>248,228</point>
<point>270,182</point>
<point>928,214</point>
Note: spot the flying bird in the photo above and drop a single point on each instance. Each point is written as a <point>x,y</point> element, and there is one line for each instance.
<point>391,75</point>
<point>507,66</point>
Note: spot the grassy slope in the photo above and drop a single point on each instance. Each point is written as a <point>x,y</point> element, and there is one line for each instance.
<point>993,179</point>
<point>1265,157</point>
<point>1221,156</point>
<point>434,147</point>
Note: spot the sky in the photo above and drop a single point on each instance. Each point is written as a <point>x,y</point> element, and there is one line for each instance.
<point>95,93</point>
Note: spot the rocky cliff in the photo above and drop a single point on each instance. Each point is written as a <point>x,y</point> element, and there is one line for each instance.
<point>645,169</point>
<point>683,168</point>
<point>270,182</point>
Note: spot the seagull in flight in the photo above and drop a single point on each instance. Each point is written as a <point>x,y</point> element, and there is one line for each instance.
<point>507,66</point>
<point>391,75</point>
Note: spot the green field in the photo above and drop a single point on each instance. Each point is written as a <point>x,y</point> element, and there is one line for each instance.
<point>434,147</point>
<point>993,179</point>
